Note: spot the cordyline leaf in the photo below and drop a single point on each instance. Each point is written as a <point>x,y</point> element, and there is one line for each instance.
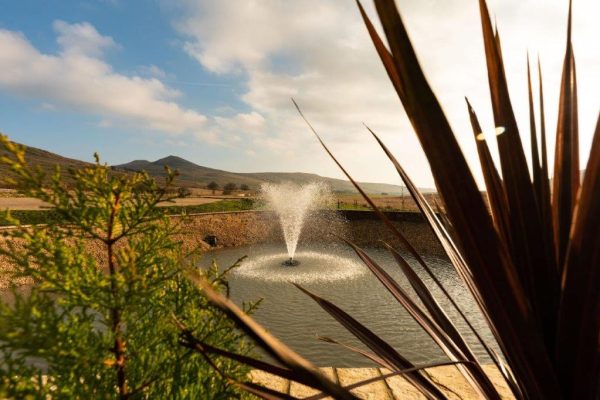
<point>493,182</point>
<point>445,334</point>
<point>453,253</point>
<point>444,238</point>
<point>390,375</point>
<point>442,235</point>
<point>381,348</point>
<point>435,224</point>
<point>411,249</point>
<point>263,392</point>
<point>579,320</point>
<point>545,204</point>
<point>535,156</point>
<point>482,380</point>
<point>303,369</point>
<point>530,254</point>
<point>433,307</point>
<point>405,243</point>
<point>487,257</point>
<point>472,372</point>
<point>191,342</point>
<point>382,51</point>
<point>566,154</point>
<point>509,377</point>
<point>377,360</point>
<point>451,250</point>
<point>443,217</point>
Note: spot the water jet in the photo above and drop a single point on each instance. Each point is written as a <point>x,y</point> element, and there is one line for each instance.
<point>293,204</point>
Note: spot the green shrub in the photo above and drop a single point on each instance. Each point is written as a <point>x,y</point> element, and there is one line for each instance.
<point>98,318</point>
<point>183,192</point>
<point>229,188</point>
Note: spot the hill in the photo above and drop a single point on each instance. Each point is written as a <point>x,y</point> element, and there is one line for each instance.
<point>193,175</point>
<point>46,160</point>
<point>190,174</point>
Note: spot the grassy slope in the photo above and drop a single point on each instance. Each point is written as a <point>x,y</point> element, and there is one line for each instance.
<point>193,175</point>
<point>43,159</point>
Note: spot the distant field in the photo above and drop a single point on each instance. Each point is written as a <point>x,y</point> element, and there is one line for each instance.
<point>49,216</point>
<point>28,203</point>
<point>384,202</point>
<point>33,211</point>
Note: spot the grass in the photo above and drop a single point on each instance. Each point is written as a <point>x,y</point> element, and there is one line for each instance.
<point>218,206</point>
<point>34,217</point>
<point>383,202</point>
<point>348,203</point>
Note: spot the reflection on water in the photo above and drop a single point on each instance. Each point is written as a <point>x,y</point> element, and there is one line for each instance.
<point>296,319</point>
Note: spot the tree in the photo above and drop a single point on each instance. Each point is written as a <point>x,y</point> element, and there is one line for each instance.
<point>213,186</point>
<point>107,290</point>
<point>244,187</point>
<point>183,192</point>
<point>229,188</point>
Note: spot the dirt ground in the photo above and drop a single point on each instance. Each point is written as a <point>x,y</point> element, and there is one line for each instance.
<point>385,202</point>
<point>28,203</point>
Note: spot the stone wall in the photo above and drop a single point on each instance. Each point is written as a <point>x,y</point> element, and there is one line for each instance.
<point>361,227</point>
<point>252,227</point>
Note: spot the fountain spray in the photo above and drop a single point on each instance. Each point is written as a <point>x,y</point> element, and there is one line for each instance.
<point>293,203</point>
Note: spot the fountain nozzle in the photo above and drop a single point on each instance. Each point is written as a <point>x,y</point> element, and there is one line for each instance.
<point>290,262</point>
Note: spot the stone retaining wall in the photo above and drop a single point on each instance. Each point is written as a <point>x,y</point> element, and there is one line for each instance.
<point>245,228</point>
<point>361,227</point>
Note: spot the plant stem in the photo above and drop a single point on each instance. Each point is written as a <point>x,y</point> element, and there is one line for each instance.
<point>119,346</point>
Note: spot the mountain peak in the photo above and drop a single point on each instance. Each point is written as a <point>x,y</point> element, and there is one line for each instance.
<point>174,162</point>
<point>171,158</point>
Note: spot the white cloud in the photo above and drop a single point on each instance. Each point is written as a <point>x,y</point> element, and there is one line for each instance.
<point>81,39</point>
<point>243,123</point>
<point>319,52</point>
<point>79,78</point>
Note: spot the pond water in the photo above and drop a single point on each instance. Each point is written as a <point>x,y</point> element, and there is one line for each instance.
<point>335,273</point>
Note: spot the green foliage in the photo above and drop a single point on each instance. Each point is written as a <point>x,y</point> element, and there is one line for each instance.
<point>183,192</point>
<point>30,217</point>
<point>244,187</point>
<point>98,317</point>
<point>213,186</point>
<point>218,206</point>
<point>228,188</point>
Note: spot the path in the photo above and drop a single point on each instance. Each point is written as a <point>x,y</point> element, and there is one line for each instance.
<point>394,388</point>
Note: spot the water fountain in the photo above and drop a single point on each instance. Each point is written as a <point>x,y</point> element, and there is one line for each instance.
<point>297,207</point>
<point>293,204</point>
<point>329,268</point>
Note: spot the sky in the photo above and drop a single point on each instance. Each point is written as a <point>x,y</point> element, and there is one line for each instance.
<point>211,81</point>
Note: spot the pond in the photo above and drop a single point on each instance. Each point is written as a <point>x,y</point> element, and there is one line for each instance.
<point>335,273</point>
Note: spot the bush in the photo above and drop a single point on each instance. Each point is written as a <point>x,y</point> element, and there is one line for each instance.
<point>98,319</point>
<point>183,192</point>
<point>213,186</point>
<point>229,188</point>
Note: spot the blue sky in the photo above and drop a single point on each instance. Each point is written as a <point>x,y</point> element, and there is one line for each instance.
<point>211,81</point>
<point>146,45</point>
